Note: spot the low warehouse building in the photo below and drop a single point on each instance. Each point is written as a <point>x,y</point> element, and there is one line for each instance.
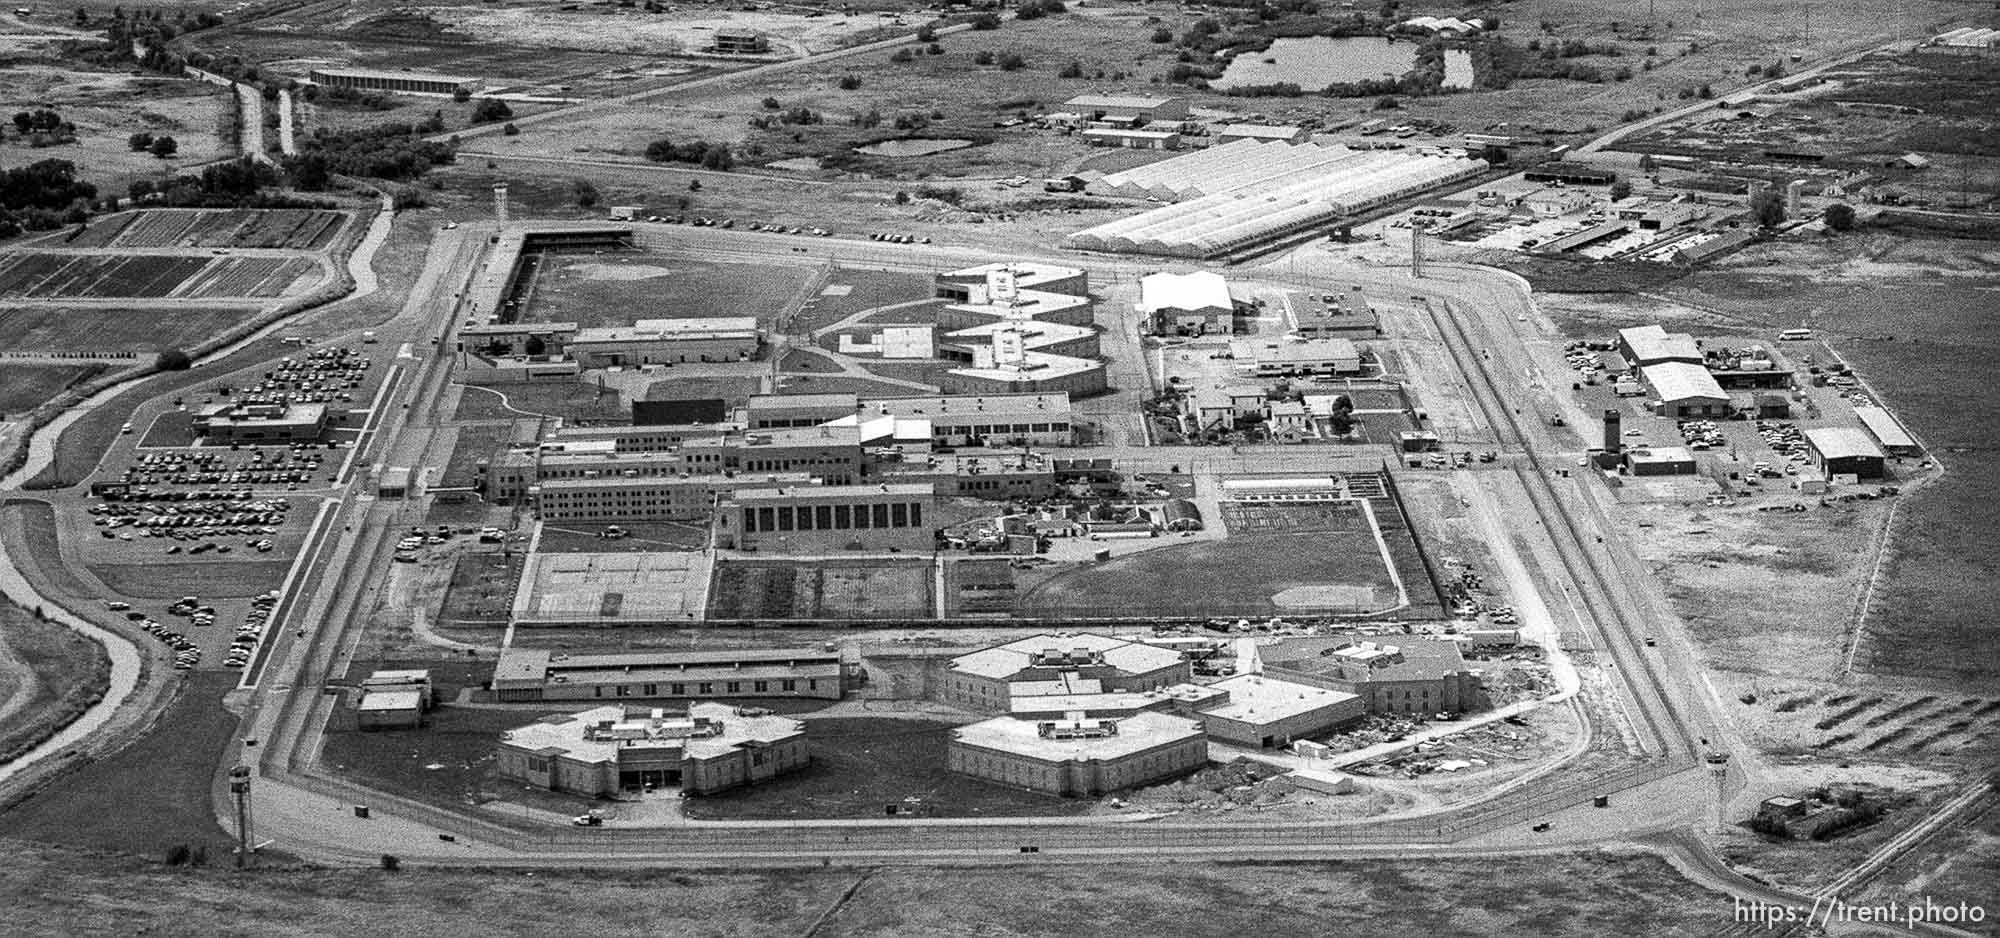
<point>1414,675</point>
<point>1192,304</point>
<point>667,341</point>
<point>528,675</point>
<point>1651,345</point>
<point>1887,431</point>
<point>606,750</point>
<point>1079,756</point>
<point>368,79</point>
<point>1686,390</point>
<point>390,709</point>
<point>1838,451</point>
<point>1263,712</point>
<point>1660,461</point>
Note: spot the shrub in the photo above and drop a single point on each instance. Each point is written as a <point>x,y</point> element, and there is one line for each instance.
<point>983,58</point>
<point>902,55</point>
<point>139,141</point>
<point>1163,35</point>
<point>1840,216</point>
<point>164,146</point>
<point>986,21</point>
<point>391,863</point>
<point>510,131</point>
<point>489,110</point>
<point>927,33</point>
<point>771,104</point>
<point>1012,62</point>
<point>584,192</point>
<point>1072,70</point>
<point>849,82</point>
<point>933,49</point>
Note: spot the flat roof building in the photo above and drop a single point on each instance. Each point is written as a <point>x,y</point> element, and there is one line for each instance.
<point>1128,109</point>
<point>1279,133</point>
<point>667,341</point>
<point>390,709</point>
<point>987,680</point>
<point>528,675</point>
<point>736,41</point>
<point>1844,451</point>
<point>1287,355</point>
<point>1659,461</point>
<point>603,751</point>
<point>1080,755</point>
<point>1651,345</point>
<point>1886,430</point>
<point>1264,712</point>
<point>255,423</point>
<point>368,79</point>
<point>1413,675</point>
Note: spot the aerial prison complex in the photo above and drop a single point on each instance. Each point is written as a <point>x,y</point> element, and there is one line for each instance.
<point>1069,714</point>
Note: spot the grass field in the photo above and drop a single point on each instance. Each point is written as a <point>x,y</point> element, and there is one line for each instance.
<point>826,589</point>
<point>158,580</point>
<point>1583,894</point>
<point>614,290</point>
<point>448,762</point>
<point>23,387</point>
<point>48,675</point>
<point>63,329</point>
<point>1239,576</point>
<point>861,765</point>
<point>148,796</point>
<point>574,400</point>
<point>108,107</point>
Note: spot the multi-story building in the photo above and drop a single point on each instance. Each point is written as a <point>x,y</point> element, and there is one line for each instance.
<point>755,513</point>
<point>603,751</point>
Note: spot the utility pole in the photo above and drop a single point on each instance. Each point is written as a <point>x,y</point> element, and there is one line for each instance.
<point>239,785</point>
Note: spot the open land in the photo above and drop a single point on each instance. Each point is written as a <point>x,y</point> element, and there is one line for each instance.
<point>615,289</point>
<point>24,386</point>
<point>109,107</point>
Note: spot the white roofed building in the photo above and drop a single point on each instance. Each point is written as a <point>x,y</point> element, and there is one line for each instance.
<point>1686,390</point>
<point>985,680</point>
<point>1192,303</point>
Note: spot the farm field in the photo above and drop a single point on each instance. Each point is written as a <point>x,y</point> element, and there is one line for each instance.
<point>148,276</point>
<point>285,228</point>
<point>614,290</point>
<point>1271,573</point>
<point>827,589</point>
<point>99,330</point>
<point>23,387</point>
<point>861,764</point>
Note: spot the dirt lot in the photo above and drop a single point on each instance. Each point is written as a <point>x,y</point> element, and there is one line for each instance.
<point>107,108</point>
<point>1577,894</point>
<point>830,589</point>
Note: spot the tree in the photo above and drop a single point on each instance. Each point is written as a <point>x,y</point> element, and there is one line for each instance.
<point>1646,164</point>
<point>309,172</point>
<point>982,57</point>
<point>172,359</point>
<point>1620,190</point>
<point>584,192</point>
<point>139,141</point>
<point>461,95</point>
<point>535,346</point>
<point>986,21</point>
<point>1768,208</point>
<point>772,104</point>
<point>1163,35</point>
<point>1840,216</point>
<point>1012,62</point>
<point>164,146</point>
<point>1494,155</point>
<point>927,33</point>
<point>1073,70</point>
<point>489,110</point>
<point>849,82</point>
<point>510,130</point>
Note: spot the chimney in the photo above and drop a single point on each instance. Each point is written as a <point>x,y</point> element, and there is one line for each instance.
<point>1611,433</point>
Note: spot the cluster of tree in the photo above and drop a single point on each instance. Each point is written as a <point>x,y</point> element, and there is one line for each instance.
<point>1703,92</point>
<point>986,21</point>
<point>142,38</point>
<point>42,196</point>
<point>44,128</point>
<point>1276,89</point>
<point>714,156</point>
<point>162,146</point>
<point>342,96</point>
<point>585,194</point>
<point>1768,208</point>
<point>395,151</point>
<point>238,183</point>
<point>1036,9</point>
<point>1497,63</point>
<point>848,82</point>
<point>798,116</point>
<point>489,110</point>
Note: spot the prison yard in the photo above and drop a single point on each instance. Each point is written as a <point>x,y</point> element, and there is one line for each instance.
<point>539,434</point>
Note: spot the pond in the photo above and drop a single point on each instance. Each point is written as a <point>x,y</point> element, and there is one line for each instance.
<point>1316,62</point>
<point>922,147</point>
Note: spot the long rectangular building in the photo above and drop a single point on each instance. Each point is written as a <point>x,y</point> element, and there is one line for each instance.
<point>525,674</point>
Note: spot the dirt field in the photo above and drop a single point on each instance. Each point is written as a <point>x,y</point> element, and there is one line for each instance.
<point>289,229</point>
<point>614,290</point>
<point>1576,895</point>
<point>107,108</point>
<point>148,276</point>
<point>573,400</point>
<point>830,589</point>
<point>861,765</point>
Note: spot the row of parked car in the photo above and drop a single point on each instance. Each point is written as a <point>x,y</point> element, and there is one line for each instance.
<point>321,376</point>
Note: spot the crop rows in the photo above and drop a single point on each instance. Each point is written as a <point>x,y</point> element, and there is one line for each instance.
<point>58,275</point>
<point>246,276</point>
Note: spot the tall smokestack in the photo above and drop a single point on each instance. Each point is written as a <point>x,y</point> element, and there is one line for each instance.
<point>1611,434</point>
